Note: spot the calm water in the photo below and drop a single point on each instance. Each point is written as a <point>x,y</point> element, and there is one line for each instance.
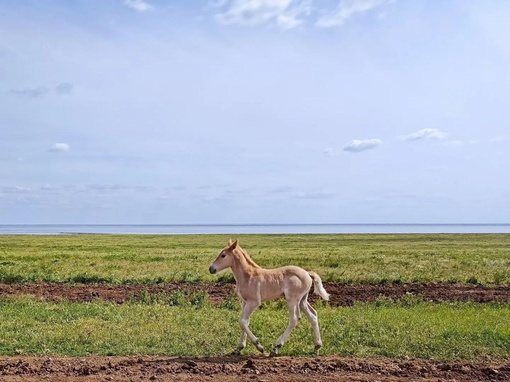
<point>46,229</point>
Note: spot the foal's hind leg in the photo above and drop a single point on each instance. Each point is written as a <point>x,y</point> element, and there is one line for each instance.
<point>312,316</point>
<point>293,320</point>
<point>242,344</point>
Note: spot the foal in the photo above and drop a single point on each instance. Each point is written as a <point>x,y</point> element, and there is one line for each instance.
<point>255,285</point>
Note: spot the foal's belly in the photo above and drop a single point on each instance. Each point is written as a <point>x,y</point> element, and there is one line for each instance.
<point>272,294</point>
<point>261,292</point>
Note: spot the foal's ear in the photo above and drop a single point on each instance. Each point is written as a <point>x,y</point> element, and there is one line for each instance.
<point>232,245</point>
<point>229,242</point>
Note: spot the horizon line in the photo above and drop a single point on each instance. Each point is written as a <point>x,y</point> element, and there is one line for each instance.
<point>248,224</point>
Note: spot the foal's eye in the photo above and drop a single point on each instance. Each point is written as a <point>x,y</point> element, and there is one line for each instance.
<point>223,255</point>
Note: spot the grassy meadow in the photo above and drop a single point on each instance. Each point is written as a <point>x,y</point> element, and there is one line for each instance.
<point>184,325</point>
<point>117,259</point>
<point>405,329</point>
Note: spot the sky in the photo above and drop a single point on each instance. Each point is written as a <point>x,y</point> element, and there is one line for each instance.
<point>254,111</point>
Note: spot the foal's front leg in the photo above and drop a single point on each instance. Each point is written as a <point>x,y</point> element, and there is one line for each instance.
<point>242,342</point>
<point>244,322</point>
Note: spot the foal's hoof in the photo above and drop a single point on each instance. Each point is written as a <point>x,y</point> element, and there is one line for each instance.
<point>317,348</point>
<point>275,351</point>
<point>237,351</point>
<point>259,347</point>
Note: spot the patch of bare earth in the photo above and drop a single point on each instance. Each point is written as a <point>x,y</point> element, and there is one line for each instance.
<point>280,369</point>
<point>341,294</point>
<point>157,368</point>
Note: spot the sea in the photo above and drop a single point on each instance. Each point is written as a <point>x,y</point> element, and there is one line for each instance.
<point>230,229</point>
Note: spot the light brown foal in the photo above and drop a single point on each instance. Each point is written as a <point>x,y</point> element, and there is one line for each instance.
<point>255,285</point>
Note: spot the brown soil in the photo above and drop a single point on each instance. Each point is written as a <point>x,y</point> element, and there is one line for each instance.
<point>279,369</point>
<point>341,294</point>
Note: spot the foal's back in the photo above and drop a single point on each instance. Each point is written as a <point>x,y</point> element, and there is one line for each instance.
<point>290,282</point>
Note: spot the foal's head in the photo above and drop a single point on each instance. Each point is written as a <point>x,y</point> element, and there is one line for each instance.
<point>225,259</point>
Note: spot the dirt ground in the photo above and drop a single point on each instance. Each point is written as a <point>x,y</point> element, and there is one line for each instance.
<point>341,294</point>
<point>281,369</point>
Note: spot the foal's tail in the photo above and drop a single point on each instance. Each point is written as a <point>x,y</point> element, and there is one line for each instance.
<point>318,288</point>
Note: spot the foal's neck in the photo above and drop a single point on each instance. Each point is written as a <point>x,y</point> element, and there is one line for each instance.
<point>244,267</point>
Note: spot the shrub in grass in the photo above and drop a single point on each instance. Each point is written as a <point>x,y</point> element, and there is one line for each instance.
<point>189,278</point>
<point>176,298</point>
<point>231,302</point>
<point>501,277</point>
<point>199,299</point>
<point>472,280</point>
<point>11,278</point>
<point>84,278</point>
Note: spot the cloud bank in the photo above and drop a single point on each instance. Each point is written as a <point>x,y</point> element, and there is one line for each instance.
<point>285,13</point>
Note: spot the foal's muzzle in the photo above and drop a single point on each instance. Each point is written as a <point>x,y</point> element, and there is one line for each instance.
<point>212,270</point>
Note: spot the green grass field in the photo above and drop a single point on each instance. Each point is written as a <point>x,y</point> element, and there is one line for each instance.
<point>408,328</point>
<point>416,330</point>
<point>460,258</point>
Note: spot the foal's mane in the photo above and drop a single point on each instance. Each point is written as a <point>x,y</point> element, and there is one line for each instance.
<point>248,258</point>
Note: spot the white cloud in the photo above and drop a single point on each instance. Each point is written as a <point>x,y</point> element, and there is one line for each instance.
<point>287,21</point>
<point>291,19</point>
<point>425,134</point>
<point>253,12</point>
<point>138,5</point>
<point>347,9</point>
<point>59,148</point>
<point>359,145</point>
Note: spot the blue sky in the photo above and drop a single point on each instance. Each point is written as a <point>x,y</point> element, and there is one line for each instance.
<point>254,111</point>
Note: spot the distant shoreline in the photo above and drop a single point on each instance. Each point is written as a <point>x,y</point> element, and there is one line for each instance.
<point>300,228</point>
